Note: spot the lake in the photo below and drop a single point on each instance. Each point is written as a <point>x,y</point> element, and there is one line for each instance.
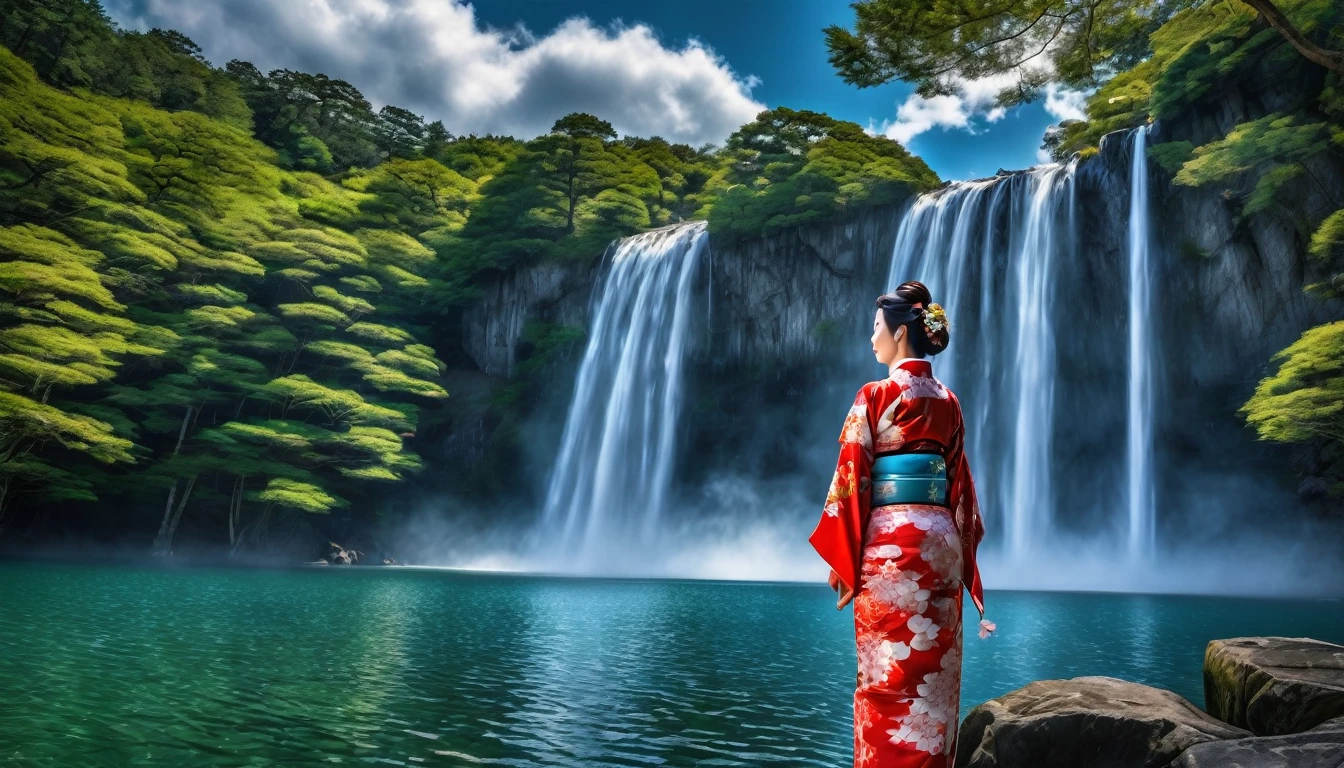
<point>123,665</point>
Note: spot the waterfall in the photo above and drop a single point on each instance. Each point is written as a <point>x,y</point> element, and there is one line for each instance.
<point>610,481</point>
<point>1139,437</point>
<point>1001,237</point>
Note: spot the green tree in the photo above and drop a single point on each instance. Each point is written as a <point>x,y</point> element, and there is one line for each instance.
<point>1303,402</point>
<point>1079,43</point>
<point>792,167</point>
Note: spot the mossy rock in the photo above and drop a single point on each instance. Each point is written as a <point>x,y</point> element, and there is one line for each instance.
<point>1273,686</point>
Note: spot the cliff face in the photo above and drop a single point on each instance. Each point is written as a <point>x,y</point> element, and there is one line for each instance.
<point>786,299</point>
<point>493,327</point>
<point>776,300</point>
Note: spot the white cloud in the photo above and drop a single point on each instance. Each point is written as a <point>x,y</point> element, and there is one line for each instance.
<point>1065,104</point>
<point>435,58</point>
<point>972,98</point>
<point>919,114</point>
<point>975,99</point>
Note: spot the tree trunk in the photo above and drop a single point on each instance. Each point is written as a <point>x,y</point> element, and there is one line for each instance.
<point>235,511</point>
<point>253,531</point>
<point>177,517</point>
<point>573,173</point>
<point>4,496</point>
<point>1331,60</point>
<point>160,546</point>
<point>182,433</point>
<point>163,540</point>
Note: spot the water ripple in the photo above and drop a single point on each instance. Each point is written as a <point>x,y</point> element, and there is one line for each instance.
<point>123,666</point>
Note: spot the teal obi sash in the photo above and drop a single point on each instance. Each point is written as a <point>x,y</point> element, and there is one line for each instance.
<point>909,478</point>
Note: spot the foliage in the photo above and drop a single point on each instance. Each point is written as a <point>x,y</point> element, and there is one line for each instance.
<point>1078,43</point>
<point>1194,54</point>
<point>935,44</point>
<point>794,167</point>
<point>73,43</point>
<point>1265,153</point>
<point>231,289</point>
<point>1303,402</point>
<point>175,238</point>
<point>1327,250</point>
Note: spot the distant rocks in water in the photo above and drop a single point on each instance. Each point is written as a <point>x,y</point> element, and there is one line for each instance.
<point>1100,722</point>
<point>1273,702</point>
<point>335,554</point>
<point>1320,747</point>
<point>1273,686</point>
<point>341,556</point>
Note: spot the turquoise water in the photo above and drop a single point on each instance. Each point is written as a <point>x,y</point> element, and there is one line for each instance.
<point>113,666</point>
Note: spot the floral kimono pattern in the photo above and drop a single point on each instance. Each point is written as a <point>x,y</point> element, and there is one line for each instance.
<point>909,563</point>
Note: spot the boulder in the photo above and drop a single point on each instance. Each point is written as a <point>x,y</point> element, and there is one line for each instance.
<point>1274,686</point>
<point>338,555</point>
<point>1098,722</point>
<point>1321,747</point>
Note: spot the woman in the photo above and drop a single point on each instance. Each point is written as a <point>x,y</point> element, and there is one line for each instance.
<point>900,530</point>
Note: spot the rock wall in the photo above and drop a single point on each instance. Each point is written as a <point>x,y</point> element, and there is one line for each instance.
<point>771,300</point>
<point>551,292</point>
<point>786,299</point>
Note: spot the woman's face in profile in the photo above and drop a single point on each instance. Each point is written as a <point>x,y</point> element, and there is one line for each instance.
<point>884,344</point>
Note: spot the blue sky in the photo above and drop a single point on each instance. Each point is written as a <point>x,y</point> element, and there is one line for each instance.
<point>690,70</point>
<point>781,43</point>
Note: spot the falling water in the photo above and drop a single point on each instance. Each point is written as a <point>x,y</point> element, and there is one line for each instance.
<point>1139,448</point>
<point>1003,235</point>
<point>617,453</point>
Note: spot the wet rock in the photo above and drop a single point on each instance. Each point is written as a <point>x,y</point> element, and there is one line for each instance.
<point>339,555</point>
<point>1099,722</point>
<point>1321,747</point>
<point>1274,685</point>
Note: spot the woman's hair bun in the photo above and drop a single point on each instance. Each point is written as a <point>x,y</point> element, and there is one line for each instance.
<point>912,305</point>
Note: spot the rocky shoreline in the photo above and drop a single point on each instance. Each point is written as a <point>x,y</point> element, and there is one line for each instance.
<point>1272,702</point>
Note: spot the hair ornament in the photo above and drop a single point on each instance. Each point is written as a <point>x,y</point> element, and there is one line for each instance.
<point>935,318</point>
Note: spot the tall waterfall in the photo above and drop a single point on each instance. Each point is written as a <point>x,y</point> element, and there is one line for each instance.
<point>617,453</point>
<point>1139,435</point>
<point>1000,238</point>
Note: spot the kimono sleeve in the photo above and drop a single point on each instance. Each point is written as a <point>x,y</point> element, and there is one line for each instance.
<point>966,507</point>
<point>838,537</point>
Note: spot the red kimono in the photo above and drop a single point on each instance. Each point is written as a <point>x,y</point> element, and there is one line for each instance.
<point>908,564</point>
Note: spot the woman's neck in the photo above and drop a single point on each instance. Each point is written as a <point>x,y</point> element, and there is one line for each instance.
<point>891,369</point>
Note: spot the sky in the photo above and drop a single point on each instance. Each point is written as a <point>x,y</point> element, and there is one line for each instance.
<point>686,70</point>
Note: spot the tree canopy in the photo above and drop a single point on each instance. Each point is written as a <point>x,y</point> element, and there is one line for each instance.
<point>228,296</point>
<point>1078,43</point>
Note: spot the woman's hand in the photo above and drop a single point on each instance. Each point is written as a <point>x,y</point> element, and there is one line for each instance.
<point>846,594</point>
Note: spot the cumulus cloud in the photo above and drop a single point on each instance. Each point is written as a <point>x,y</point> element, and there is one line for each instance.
<point>435,58</point>
<point>1065,104</point>
<point>974,100</point>
<point>970,99</point>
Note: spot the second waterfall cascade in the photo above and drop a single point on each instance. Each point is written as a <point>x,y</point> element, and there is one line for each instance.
<point>611,478</point>
<point>1139,434</point>
<point>992,251</point>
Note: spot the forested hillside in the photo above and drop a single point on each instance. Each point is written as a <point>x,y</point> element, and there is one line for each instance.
<point>231,296</point>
